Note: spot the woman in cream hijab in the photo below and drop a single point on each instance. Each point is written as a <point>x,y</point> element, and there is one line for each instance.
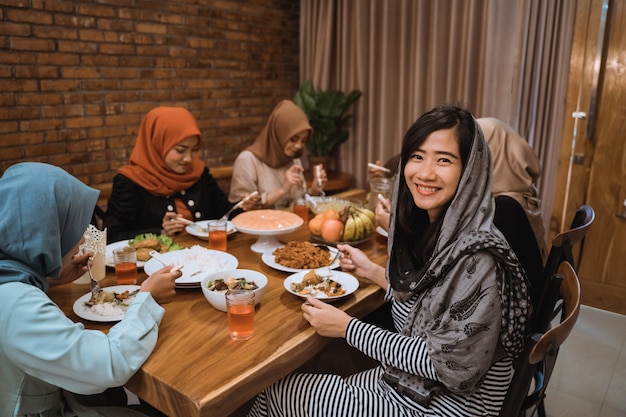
<point>271,165</point>
<point>516,169</point>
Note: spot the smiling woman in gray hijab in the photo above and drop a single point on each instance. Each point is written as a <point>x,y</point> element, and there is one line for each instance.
<point>459,296</point>
<point>44,212</point>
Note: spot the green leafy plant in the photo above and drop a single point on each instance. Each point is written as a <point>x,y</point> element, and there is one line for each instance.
<point>326,111</point>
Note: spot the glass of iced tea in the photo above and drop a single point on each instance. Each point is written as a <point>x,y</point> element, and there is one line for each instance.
<point>240,311</point>
<point>301,208</point>
<point>125,260</point>
<point>217,234</point>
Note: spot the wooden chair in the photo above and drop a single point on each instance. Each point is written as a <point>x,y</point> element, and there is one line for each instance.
<point>539,357</point>
<point>546,307</point>
<point>561,250</point>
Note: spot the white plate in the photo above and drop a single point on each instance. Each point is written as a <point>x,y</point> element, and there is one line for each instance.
<point>347,281</point>
<point>382,231</point>
<point>270,260</point>
<point>230,229</point>
<point>85,312</point>
<point>191,276</point>
<point>109,256</point>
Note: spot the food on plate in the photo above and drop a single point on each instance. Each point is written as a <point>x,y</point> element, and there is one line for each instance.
<point>109,303</point>
<point>302,255</point>
<point>353,224</point>
<point>147,242</point>
<point>317,285</point>
<point>222,285</point>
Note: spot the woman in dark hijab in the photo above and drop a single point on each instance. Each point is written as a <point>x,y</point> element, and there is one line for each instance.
<point>459,296</point>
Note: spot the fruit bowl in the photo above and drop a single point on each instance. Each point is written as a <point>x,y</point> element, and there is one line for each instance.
<point>351,224</point>
<point>324,203</point>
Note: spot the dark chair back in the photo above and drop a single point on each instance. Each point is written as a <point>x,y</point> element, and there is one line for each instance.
<point>539,357</point>
<point>511,219</point>
<point>561,250</point>
<point>546,299</point>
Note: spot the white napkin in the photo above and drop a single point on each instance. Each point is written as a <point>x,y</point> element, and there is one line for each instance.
<point>96,242</point>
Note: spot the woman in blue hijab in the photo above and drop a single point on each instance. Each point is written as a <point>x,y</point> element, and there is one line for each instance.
<point>44,356</point>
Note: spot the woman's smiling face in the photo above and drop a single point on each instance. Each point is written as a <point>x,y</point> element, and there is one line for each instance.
<point>434,170</point>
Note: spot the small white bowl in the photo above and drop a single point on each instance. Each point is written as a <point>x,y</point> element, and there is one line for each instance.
<point>218,299</point>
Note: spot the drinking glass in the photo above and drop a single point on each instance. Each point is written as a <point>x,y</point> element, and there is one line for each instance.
<point>125,260</point>
<point>301,208</point>
<point>383,186</point>
<point>217,234</point>
<point>240,311</point>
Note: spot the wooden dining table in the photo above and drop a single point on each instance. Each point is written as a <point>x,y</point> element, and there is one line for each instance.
<point>196,369</point>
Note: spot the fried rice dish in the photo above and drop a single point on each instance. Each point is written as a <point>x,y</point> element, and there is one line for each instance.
<point>302,255</point>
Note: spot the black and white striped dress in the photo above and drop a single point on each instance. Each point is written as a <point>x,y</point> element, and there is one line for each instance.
<point>367,394</point>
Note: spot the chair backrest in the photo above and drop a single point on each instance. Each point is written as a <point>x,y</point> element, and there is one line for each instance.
<point>511,219</point>
<point>563,242</point>
<point>561,250</point>
<point>539,357</point>
<point>570,295</point>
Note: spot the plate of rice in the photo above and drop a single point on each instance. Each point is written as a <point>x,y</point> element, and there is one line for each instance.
<point>198,262</point>
<point>106,311</point>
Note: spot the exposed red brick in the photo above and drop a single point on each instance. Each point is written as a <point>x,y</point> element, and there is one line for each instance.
<point>78,77</point>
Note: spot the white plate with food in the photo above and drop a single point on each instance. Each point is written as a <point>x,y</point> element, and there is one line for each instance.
<point>270,259</point>
<point>298,285</point>
<point>141,242</point>
<point>106,311</point>
<point>200,229</point>
<point>198,262</point>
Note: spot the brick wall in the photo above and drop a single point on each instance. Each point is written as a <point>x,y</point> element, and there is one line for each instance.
<point>77,76</point>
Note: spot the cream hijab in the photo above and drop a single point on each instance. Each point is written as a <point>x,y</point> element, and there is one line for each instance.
<point>516,169</point>
<point>285,121</point>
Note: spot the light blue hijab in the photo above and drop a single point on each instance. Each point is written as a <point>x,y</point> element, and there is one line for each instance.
<point>44,212</point>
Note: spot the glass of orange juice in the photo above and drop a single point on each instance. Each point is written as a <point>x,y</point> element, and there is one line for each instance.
<point>217,234</point>
<point>125,260</point>
<point>301,208</point>
<point>240,311</point>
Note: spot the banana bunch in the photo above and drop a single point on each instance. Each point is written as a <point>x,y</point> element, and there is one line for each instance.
<point>359,224</point>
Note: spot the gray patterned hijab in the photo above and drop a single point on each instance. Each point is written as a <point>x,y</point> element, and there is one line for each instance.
<point>465,228</point>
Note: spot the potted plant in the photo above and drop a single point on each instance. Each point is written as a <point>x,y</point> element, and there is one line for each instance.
<point>326,112</point>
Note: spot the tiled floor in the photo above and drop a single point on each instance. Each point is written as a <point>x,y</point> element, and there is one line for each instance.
<point>590,374</point>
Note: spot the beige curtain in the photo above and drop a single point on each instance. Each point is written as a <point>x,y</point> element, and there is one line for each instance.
<point>499,58</point>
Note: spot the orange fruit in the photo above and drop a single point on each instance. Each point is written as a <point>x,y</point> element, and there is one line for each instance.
<point>332,230</point>
<point>315,224</point>
<point>331,214</point>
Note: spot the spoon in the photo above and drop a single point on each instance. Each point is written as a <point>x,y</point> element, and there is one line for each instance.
<point>310,200</point>
<point>156,255</point>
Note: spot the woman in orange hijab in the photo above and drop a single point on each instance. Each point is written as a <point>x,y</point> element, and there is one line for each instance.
<point>271,165</point>
<point>165,185</point>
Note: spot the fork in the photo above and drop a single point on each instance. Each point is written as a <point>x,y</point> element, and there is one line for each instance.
<point>330,271</point>
<point>95,285</point>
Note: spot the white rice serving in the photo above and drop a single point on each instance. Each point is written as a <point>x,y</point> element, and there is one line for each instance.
<point>198,258</point>
<point>110,309</point>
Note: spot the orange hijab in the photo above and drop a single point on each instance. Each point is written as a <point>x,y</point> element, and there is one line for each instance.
<point>161,129</point>
<point>286,120</point>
